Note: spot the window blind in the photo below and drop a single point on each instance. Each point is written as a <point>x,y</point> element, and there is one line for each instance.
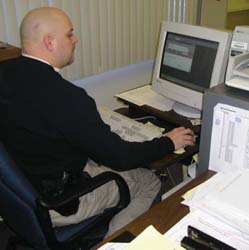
<point>111,33</point>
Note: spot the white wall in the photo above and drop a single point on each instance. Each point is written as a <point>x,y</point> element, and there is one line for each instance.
<point>214,13</point>
<point>237,5</point>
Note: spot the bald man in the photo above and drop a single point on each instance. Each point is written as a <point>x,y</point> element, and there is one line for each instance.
<point>54,131</point>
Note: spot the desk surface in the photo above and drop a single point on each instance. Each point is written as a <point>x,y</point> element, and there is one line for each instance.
<point>9,52</point>
<point>163,215</point>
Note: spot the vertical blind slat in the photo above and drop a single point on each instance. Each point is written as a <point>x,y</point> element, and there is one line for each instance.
<point>126,31</point>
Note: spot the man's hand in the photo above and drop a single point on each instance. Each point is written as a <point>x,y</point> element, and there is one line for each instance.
<point>181,137</point>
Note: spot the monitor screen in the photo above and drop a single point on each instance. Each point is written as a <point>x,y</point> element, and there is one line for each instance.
<point>188,61</point>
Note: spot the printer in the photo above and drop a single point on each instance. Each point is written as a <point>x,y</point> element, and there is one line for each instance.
<point>237,74</point>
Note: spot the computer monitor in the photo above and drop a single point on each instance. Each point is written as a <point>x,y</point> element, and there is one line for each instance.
<point>190,59</point>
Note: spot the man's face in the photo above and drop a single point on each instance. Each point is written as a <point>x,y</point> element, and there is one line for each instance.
<point>65,42</point>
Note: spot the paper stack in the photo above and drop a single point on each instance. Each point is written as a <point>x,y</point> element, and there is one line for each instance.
<point>219,208</point>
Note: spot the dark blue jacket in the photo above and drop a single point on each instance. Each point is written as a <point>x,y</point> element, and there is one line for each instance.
<point>50,125</point>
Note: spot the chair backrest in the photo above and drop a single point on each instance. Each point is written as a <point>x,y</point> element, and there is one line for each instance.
<point>18,202</point>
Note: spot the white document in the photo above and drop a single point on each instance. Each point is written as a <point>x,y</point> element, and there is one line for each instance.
<point>223,197</point>
<point>229,203</point>
<point>210,225</point>
<point>230,139</point>
<point>113,246</point>
<point>146,96</point>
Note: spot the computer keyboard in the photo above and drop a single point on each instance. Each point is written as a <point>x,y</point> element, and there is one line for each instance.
<point>129,129</point>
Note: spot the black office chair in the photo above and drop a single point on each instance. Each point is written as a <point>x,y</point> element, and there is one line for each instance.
<point>26,213</point>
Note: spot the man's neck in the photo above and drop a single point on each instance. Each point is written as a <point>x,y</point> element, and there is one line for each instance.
<point>41,60</point>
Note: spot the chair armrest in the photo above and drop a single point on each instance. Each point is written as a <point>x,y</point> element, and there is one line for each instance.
<point>83,188</point>
<point>43,206</point>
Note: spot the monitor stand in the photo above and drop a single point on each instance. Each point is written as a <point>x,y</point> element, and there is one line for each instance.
<point>186,111</point>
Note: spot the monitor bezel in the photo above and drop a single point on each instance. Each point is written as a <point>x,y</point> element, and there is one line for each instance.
<point>187,95</point>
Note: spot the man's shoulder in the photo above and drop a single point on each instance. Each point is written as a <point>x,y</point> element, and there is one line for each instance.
<point>10,63</point>
<point>24,65</point>
<point>39,75</point>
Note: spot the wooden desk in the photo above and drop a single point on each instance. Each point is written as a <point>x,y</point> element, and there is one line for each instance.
<point>9,52</point>
<point>163,215</point>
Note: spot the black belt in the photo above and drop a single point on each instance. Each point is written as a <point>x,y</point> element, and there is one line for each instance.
<point>54,187</point>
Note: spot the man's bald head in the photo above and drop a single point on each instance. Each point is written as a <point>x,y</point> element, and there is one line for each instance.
<point>47,33</point>
<point>38,22</point>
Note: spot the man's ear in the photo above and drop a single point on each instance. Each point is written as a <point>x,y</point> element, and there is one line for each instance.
<point>49,42</point>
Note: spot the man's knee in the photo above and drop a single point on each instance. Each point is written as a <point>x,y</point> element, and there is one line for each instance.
<point>143,182</point>
<point>152,179</point>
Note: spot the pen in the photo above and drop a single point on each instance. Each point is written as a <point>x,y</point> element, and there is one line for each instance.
<point>207,240</point>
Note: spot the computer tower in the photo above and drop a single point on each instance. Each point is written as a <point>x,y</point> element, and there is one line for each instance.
<point>219,94</point>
